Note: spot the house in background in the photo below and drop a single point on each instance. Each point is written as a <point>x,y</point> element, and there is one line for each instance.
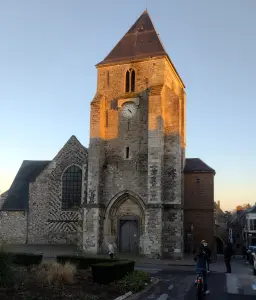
<point>220,228</point>
<point>237,225</point>
<point>243,228</point>
<point>249,227</point>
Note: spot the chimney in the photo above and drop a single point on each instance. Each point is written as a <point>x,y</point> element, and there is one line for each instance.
<point>218,203</point>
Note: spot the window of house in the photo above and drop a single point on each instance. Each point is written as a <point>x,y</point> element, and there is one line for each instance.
<point>130,81</point>
<point>203,193</point>
<point>252,224</point>
<point>198,180</point>
<point>71,188</point>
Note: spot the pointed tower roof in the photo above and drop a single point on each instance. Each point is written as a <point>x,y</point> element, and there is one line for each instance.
<point>140,41</point>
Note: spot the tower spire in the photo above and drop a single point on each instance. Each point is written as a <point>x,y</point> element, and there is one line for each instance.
<point>140,41</point>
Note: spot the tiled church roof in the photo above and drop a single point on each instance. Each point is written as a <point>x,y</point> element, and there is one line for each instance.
<point>196,165</point>
<point>18,193</point>
<point>140,41</point>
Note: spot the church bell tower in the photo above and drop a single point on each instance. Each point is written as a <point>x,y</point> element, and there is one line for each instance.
<point>137,149</point>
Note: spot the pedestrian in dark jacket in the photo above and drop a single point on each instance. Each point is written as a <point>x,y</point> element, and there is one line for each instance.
<point>201,261</point>
<point>244,252</point>
<point>209,254</point>
<point>228,252</point>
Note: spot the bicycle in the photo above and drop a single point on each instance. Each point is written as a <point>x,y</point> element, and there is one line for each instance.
<point>200,286</point>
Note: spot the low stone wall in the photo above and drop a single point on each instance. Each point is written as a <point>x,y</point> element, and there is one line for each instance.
<point>13,227</point>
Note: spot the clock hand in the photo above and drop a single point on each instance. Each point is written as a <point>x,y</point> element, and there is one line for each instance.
<point>129,110</point>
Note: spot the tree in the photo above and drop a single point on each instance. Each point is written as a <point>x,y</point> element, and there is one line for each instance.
<point>244,206</point>
<point>247,206</point>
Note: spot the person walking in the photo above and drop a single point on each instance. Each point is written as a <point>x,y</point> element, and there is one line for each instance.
<point>244,252</point>
<point>228,252</point>
<point>209,254</point>
<point>111,250</point>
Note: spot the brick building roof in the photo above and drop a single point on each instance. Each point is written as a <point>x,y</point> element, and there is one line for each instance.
<point>17,198</point>
<point>196,165</point>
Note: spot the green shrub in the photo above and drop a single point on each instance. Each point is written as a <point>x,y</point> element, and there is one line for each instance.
<point>6,273</point>
<point>134,281</point>
<point>26,259</point>
<point>105,273</point>
<point>82,262</point>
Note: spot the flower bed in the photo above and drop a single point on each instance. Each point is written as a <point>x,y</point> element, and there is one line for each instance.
<point>63,282</point>
<point>83,262</point>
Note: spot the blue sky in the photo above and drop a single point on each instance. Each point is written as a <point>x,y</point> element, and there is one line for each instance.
<point>48,53</point>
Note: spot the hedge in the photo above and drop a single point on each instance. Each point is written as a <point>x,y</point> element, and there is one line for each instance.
<point>26,259</point>
<point>83,262</point>
<point>105,273</point>
<point>6,272</point>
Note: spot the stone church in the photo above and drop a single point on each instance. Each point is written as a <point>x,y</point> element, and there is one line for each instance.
<point>133,185</point>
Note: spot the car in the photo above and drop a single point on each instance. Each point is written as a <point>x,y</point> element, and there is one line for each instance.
<point>252,257</point>
<point>254,263</point>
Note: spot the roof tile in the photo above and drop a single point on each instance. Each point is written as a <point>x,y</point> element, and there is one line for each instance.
<point>17,198</point>
<point>140,41</point>
<point>196,165</point>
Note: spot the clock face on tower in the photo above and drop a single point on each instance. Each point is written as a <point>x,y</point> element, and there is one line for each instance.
<point>129,109</point>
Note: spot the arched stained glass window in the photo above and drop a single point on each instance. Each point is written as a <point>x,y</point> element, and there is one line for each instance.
<point>71,188</point>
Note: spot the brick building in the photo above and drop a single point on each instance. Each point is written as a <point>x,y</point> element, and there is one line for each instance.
<point>198,204</point>
<point>128,186</point>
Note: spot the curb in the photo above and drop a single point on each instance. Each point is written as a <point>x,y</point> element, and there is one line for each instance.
<point>169,265</point>
<point>130,296</point>
<point>161,263</point>
<point>180,265</point>
<point>124,296</point>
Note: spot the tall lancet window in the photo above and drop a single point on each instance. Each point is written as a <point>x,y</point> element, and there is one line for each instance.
<point>130,81</point>
<point>71,188</point>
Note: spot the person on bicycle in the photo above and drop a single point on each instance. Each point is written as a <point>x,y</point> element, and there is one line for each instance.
<point>201,260</point>
<point>209,254</point>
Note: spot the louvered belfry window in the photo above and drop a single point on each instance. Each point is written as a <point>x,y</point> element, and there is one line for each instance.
<point>130,81</point>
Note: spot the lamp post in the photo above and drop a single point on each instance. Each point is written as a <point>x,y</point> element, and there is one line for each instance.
<point>192,236</point>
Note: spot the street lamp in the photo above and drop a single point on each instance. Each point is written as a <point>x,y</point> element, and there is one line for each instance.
<point>192,236</point>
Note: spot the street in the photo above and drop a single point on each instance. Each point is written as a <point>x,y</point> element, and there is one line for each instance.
<point>176,283</point>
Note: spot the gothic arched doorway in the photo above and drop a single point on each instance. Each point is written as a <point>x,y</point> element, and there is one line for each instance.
<point>128,235</point>
<point>124,222</point>
<point>219,245</point>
